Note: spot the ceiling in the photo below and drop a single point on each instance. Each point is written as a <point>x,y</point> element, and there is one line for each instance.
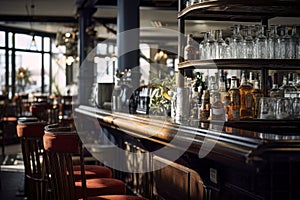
<point>59,15</point>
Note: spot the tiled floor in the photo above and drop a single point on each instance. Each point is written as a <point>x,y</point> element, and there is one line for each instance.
<point>12,174</point>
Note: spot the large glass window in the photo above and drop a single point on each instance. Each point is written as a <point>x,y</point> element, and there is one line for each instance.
<point>28,72</point>
<point>2,70</point>
<point>2,38</point>
<point>23,41</point>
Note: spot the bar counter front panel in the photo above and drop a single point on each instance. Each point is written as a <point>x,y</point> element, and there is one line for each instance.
<point>215,162</point>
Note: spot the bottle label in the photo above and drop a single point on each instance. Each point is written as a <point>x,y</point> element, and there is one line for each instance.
<point>218,111</point>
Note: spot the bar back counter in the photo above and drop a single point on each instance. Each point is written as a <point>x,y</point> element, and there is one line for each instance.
<point>192,161</point>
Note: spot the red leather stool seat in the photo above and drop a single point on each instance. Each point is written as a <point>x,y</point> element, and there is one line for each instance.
<point>60,144</point>
<point>100,186</point>
<point>117,197</point>
<point>92,171</point>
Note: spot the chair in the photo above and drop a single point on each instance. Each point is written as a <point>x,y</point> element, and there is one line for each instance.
<point>59,157</point>
<point>60,144</point>
<point>3,104</point>
<point>91,171</point>
<point>31,131</point>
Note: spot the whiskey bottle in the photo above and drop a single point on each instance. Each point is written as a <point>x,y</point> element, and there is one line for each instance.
<point>288,87</point>
<point>190,51</point>
<point>205,106</point>
<point>234,98</point>
<point>246,99</point>
<point>217,108</point>
<point>275,91</point>
<point>222,88</point>
<point>257,94</point>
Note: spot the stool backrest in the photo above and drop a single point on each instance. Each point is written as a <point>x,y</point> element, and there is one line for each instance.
<point>60,144</point>
<point>36,177</point>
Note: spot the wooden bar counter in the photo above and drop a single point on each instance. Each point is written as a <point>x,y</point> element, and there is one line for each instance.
<point>222,161</point>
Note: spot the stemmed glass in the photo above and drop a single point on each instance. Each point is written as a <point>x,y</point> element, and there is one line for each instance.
<point>282,43</point>
<point>248,44</point>
<point>237,43</point>
<point>261,43</point>
<point>289,46</point>
<point>211,45</point>
<point>296,40</point>
<point>202,47</point>
<point>221,45</point>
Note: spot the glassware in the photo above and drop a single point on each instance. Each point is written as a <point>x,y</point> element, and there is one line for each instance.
<point>237,43</point>
<point>190,50</point>
<point>282,43</point>
<point>284,108</point>
<point>261,43</point>
<point>289,46</point>
<point>211,45</point>
<point>202,47</point>
<point>276,42</point>
<point>296,41</point>
<point>221,45</point>
<point>267,108</point>
<point>248,44</point>
<point>296,107</point>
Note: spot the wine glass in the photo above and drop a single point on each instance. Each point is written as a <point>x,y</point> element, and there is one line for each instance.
<point>221,45</point>
<point>237,43</point>
<point>211,45</point>
<point>248,44</point>
<point>261,43</point>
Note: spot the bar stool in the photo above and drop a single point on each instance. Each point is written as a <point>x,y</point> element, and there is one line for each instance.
<point>60,144</point>
<point>31,131</point>
<point>91,171</point>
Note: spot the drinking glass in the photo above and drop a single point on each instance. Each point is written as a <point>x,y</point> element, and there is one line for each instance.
<point>284,108</point>
<point>296,107</point>
<point>282,43</point>
<point>221,45</point>
<point>237,43</point>
<point>289,45</point>
<point>275,41</point>
<point>202,47</point>
<point>267,108</point>
<point>261,43</point>
<point>248,44</point>
<point>295,38</point>
<point>211,45</point>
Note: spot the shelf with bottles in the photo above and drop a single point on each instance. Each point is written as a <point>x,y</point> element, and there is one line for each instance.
<point>272,64</point>
<point>241,10</point>
<point>282,127</point>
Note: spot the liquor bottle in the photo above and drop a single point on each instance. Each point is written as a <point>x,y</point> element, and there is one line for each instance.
<point>217,108</point>
<point>288,87</point>
<point>246,99</point>
<point>275,91</point>
<point>205,106</point>
<point>222,86</point>
<point>251,78</point>
<point>213,88</point>
<point>257,94</point>
<point>190,51</point>
<point>234,98</point>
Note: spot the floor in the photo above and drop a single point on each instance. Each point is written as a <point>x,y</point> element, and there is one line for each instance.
<point>12,174</point>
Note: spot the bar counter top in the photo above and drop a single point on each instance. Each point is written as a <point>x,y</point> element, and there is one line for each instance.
<point>219,140</point>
